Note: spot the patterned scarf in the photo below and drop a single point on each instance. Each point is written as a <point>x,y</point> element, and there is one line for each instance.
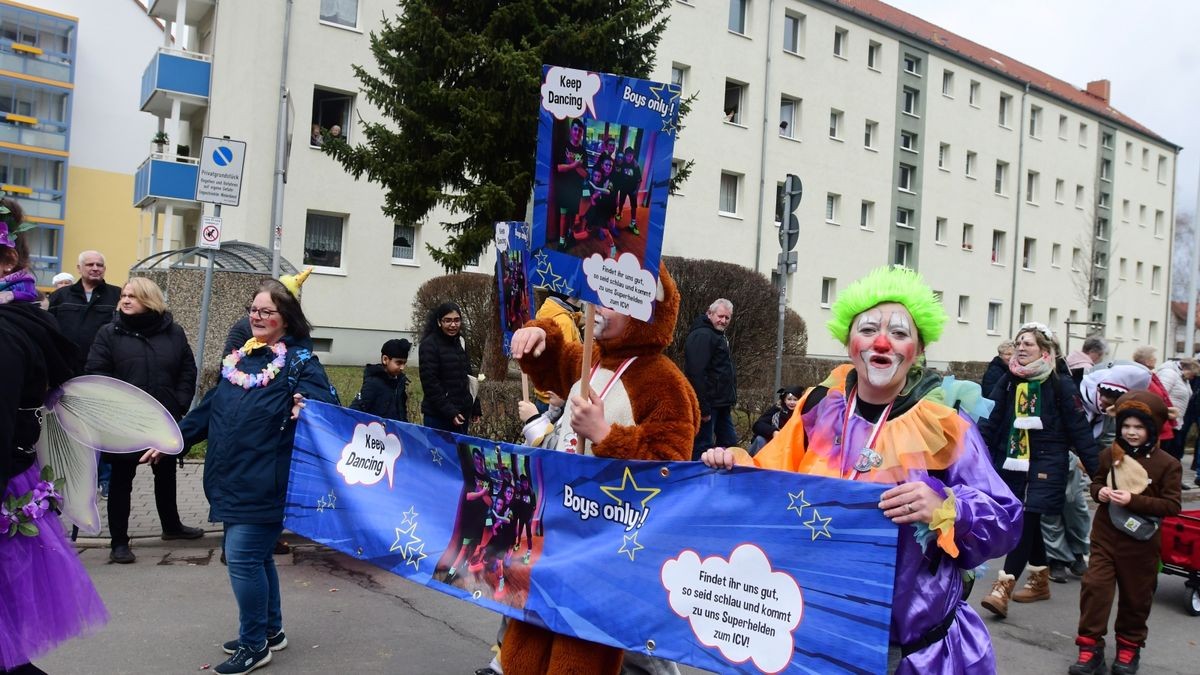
<point>1027,409</point>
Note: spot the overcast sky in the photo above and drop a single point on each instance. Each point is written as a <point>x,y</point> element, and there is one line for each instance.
<point>1148,49</point>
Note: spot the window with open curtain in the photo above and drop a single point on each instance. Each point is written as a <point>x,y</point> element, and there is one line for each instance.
<point>341,12</point>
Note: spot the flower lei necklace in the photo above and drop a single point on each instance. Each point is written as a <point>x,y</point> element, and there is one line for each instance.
<point>244,380</point>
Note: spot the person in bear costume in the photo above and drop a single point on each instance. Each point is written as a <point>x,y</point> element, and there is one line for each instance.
<point>640,407</point>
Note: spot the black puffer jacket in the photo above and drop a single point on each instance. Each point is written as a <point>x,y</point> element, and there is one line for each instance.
<point>1065,427</point>
<point>154,357</point>
<point>995,370</point>
<point>708,365</point>
<point>79,318</point>
<point>444,368</point>
<point>382,395</point>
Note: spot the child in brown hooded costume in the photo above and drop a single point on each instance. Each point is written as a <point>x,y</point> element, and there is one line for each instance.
<point>641,407</point>
<point>1137,474</point>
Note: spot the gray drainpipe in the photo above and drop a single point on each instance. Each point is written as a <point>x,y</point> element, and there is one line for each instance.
<point>1012,302</point>
<point>762,150</point>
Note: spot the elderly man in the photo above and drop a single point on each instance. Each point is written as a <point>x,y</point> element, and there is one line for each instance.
<point>86,305</point>
<point>1082,360</point>
<point>709,367</point>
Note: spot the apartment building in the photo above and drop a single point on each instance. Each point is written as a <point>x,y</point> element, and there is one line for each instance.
<point>1019,196</point>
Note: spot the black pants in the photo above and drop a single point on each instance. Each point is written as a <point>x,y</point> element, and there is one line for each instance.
<point>120,492</point>
<point>1030,550</point>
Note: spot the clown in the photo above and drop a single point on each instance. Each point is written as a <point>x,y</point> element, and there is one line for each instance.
<point>886,419</point>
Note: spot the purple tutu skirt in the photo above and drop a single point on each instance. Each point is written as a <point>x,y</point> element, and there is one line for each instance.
<point>46,597</point>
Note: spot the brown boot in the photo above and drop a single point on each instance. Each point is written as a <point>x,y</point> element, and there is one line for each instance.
<point>1037,585</point>
<point>997,601</point>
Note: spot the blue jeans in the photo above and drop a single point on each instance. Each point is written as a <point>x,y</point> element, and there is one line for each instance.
<point>249,549</point>
<point>719,422</point>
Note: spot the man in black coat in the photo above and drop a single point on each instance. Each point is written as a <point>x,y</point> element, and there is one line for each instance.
<point>86,305</point>
<point>998,367</point>
<point>708,365</point>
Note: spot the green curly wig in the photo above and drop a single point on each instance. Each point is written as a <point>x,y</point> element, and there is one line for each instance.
<point>889,284</point>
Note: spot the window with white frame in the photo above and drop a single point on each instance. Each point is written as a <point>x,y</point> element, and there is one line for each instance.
<point>970,169</point>
<point>737,15</point>
<point>1162,169</point>
<point>905,180</point>
<point>1001,184</point>
<point>731,184</point>
<point>793,32</point>
<point>832,202</point>
<point>912,65</point>
<point>870,131</point>
<point>1028,251</point>
<point>1152,336</point>
<point>1105,200</point>
<point>1129,152</point>
<point>1032,185</point>
<point>1137,327</point>
<point>788,108</point>
<point>912,101</point>
<point>828,291</point>
<point>1055,255</point>
<point>964,306</point>
<point>1159,221</point>
<point>1005,109</point>
<point>939,230</point>
<point>1076,259</point>
<point>1100,260</point>
<point>404,242</point>
<point>1102,229</point>
<point>1079,196</point>
<point>1141,215</point>
<point>1106,140</point>
<point>1025,313</point>
<point>908,141</point>
<point>1052,317</point>
<point>331,111</point>
<point>973,94</point>
<point>1122,268</point>
<point>835,123</point>
<point>1125,210</point>
<point>735,95</point>
<point>323,236</point>
<point>340,12</point>
<point>944,156</point>
<point>840,37</point>
<point>679,75</point>
<point>993,317</point>
<point>1062,127</point>
<point>968,237</point>
<point>866,215</point>
<point>1137,272</point>
<point>903,255</point>
<point>904,218</point>
<point>874,55</point>
<point>997,247</point>
<point>1035,121</point>
<point>1145,159</point>
<point>1060,190</point>
<point>1083,134</point>
<point>948,83</point>
<point>1106,169</point>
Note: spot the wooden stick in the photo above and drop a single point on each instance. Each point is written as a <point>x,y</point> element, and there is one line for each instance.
<point>589,329</point>
<point>524,387</point>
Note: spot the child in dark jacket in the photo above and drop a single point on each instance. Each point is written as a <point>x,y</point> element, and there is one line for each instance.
<point>385,388</point>
<point>1139,477</point>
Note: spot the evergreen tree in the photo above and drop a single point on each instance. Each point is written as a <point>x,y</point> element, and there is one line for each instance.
<point>459,85</point>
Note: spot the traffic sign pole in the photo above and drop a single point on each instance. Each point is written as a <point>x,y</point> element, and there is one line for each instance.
<point>206,298</point>
<point>789,236</point>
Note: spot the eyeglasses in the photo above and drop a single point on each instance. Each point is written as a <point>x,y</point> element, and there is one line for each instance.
<point>452,321</point>
<point>260,312</point>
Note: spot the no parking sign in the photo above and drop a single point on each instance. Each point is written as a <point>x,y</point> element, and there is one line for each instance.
<point>221,162</point>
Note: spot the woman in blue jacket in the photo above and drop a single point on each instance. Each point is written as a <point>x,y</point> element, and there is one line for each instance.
<point>249,420</point>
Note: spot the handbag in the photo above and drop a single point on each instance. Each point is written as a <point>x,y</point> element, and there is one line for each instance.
<point>1135,525</point>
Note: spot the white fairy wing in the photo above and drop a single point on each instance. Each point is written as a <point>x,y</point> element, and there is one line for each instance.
<point>75,464</point>
<point>114,416</point>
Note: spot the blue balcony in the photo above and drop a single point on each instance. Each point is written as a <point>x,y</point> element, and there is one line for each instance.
<point>176,75</point>
<point>166,179</point>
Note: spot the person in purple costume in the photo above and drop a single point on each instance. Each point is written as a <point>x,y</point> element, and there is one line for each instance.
<point>887,419</point>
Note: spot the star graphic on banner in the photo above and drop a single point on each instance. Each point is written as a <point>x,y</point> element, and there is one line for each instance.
<point>672,89</point>
<point>416,556</point>
<point>411,545</point>
<point>566,289</point>
<point>543,260</point>
<point>630,546</point>
<point>797,503</point>
<point>435,456</point>
<point>327,502</point>
<point>396,545</point>
<point>818,525</point>
<point>669,126</point>
<point>618,493</point>
<point>410,516</point>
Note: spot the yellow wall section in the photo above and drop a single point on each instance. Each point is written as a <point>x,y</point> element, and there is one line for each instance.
<point>100,217</point>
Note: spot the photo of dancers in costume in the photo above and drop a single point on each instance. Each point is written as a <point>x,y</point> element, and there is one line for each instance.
<point>515,291</point>
<point>597,188</point>
<point>497,518</point>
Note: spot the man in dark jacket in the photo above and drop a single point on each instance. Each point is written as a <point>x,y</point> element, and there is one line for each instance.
<point>997,368</point>
<point>384,390</point>
<point>709,367</point>
<point>86,305</point>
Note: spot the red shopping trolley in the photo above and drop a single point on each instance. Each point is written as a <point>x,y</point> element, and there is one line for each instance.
<point>1181,553</point>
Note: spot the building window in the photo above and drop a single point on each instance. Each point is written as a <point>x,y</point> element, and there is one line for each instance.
<point>970,170</point>
<point>832,202</point>
<point>737,15</point>
<point>866,215</point>
<point>912,65</point>
<point>340,12</point>
<point>1125,210</point>
<point>730,184</point>
<point>904,218</point>
<point>993,317</point>
<point>968,237</point>
<point>793,33</point>
<point>964,304</point>
<point>868,133</point>
<point>1162,169</point>
<point>944,156</point>
<point>1100,260</point>
<point>939,230</point>
<point>835,124</point>
<point>973,94</point>
<point>1005,109</point>
<point>903,254</point>
<point>1055,255</point>
<point>948,83</point>
<point>404,242</point>
<point>1137,327</point>
<point>1129,152</point>
<point>874,55</point>
<point>997,247</point>
<point>905,181</point>
<point>1028,250</point>
<point>1122,269</point>
<point>1052,317</point>
<point>1059,189</point>
<point>911,101</point>
<point>1145,159</point>
<point>1137,273</point>
<point>1032,183</point>
<point>1079,196</point>
<point>1106,140</point>
<point>1105,200</point>
<point>1083,134</point>
<point>1025,313</point>
<point>1035,121</point>
<point>1155,279</point>
<point>1102,229</point>
<point>734,95</point>
<point>1106,169</point>
<point>679,75</point>
<point>1158,222</point>
<point>1141,215</point>
<point>787,116</point>
<point>828,291</point>
<point>1076,260</point>
<point>1062,127</point>
<point>1001,186</point>
<point>908,141</point>
<point>840,37</point>
<point>331,113</point>
<point>323,239</point>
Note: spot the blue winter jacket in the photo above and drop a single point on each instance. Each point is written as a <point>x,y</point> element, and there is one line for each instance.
<point>250,435</point>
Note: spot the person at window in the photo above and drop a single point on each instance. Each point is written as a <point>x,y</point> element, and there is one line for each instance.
<point>318,137</point>
<point>445,371</point>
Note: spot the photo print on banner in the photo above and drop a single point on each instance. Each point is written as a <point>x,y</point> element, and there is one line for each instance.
<point>513,278</point>
<point>600,192</point>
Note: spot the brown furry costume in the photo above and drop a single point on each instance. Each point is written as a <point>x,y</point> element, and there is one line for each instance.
<point>666,418</point>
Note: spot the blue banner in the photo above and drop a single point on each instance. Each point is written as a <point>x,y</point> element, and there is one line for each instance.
<point>601,184</point>
<point>745,570</point>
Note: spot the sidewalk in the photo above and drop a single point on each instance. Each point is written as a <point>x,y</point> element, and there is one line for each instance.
<point>143,516</point>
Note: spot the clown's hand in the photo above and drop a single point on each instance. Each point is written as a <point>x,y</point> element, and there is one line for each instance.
<point>529,340</point>
<point>587,418</point>
<point>718,458</point>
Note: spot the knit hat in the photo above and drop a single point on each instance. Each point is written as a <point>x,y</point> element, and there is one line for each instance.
<point>1145,406</point>
<point>396,349</point>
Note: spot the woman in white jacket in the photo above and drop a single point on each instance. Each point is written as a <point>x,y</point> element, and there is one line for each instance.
<point>1174,376</point>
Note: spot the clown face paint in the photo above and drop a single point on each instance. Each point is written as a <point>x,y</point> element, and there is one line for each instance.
<point>266,323</point>
<point>1027,349</point>
<point>883,346</point>
<point>609,324</point>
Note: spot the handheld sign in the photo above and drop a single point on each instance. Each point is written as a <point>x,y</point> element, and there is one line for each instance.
<point>514,286</point>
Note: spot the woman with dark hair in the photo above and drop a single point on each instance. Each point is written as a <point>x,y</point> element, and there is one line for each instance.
<point>146,348</point>
<point>1038,418</point>
<point>445,372</point>
<point>17,283</point>
<point>249,420</point>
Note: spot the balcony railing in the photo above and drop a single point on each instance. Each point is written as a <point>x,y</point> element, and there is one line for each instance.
<point>175,72</point>
<point>19,58</point>
<point>38,202</point>
<point>38,133</point>
<point>166,177</point>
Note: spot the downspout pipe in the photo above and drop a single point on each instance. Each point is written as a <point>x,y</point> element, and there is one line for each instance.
<point>762,149</point>
<point>276,233</point>
<point>1012,302</point>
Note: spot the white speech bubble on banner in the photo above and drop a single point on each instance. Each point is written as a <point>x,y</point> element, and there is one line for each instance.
<point>501,239</point>
<point>370,454</point>
<point>739,606</point>
<point>622,285</point>
<point>567,92</point>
